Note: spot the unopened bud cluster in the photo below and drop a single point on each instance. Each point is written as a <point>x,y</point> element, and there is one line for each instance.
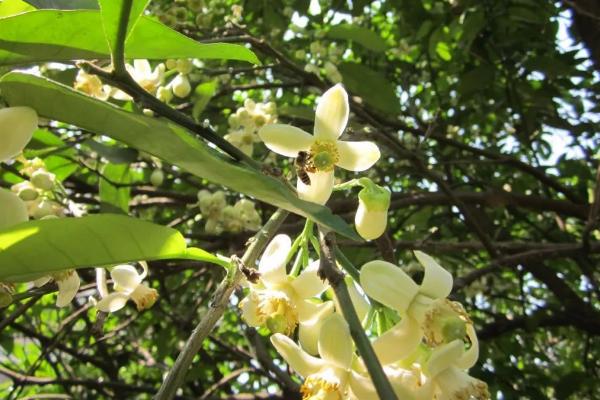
<point>221,217</point>
<point>246,121</point>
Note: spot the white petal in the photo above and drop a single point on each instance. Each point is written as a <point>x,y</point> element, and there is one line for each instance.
<point>13,210</point>
<point>455,384</point>
<point>335,343</point>
<point>388,284</point>
<point>300,361</point>
<point>357,156</point>
<point>398,342</point>
<point>469,358</point>
<point>361,386</point>
<point>249,307</point>
<point>17,125</point>
<point>370,224</point>
<point>332,113</point>
<point>142,68</point>
<point>437,282</point>
<point>112,302</point>
<point>272,263</point>
<point>309,330</point>
<point>320,188</point>
<point>67,288</point>
<point>284,139</point>
<point>360,303</point>
<point>444,356</point>
<point>42,281</point>
<point>308,310</point>
<point>308,284</point>
<point>125,277</point>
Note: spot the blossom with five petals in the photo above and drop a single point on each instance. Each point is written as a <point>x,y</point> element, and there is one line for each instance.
<point>324,148</point>
<point>330,377</point>
<point>425,311</point>
<point>281,302</point>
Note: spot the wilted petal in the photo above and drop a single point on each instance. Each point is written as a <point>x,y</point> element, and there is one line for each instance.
<point>361,386</point>
<point>444,356</point>
<point>17,125</point>
<point>335,343</point>
<point>272,262</point>
<point>284,139</point>
<point>309,330</point>
<point>357,156</point>
<point>437,282</point>
<point>388,284</point>
<point>320,188</point>
<point>125,277</point>
<point>399,341</point>
<point>68,286</point>
<point>300,361</point>
<point>113,302</point>
<point>332,113</point>
<point>308,284</point>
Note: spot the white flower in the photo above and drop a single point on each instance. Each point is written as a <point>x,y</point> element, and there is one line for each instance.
<point>142,73</point>
<point>128,285</point>
<point>25,190</point>
<point>43,179</point>
<point>211,204</point>
<point>92,85</point>
<point>330,377</point>
<point>324,148</point>
<point>243,140</point>
<point>281,302</point>
<point>68,285</point>
<point>17,125</point>
<point>13,210</point>
<point>424,309</point>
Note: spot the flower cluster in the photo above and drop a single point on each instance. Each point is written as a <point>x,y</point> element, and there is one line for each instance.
<point>38,191</point>
<point>221,217</point>
<point>322,59</point>
<point>246,121</point>
<point>180,85</point>
<point>426,355</point>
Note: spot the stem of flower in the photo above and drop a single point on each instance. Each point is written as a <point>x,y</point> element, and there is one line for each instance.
<point>328,270</point>
<point>217,307</point>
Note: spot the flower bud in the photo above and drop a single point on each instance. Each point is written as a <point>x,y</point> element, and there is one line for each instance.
<point>164,94</point>
<point>171,63</point>
<point>43,179</point>
<point>181,86</point>
<point>371,215</point>
<point>43,208</point>
<point>18,125</point>
<point>157,177</point>
<point>12,209</point>
<point>25,190</point>
<point>184,66</point>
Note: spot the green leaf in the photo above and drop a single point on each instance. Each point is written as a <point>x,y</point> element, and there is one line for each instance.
<point>203,93</point>
<point>39,247</point>
<point>110,10</point>
<point>78,35</point>
<point>115,198</point>
<point>476,79</point>
<point>442,49</point>
<point>65,4</point>
<point>12,7</point>
<point>371,86</point>
<point>167,141</point>
<point>363,36</point>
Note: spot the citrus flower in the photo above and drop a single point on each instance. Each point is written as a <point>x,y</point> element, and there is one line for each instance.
<point>17,125</point>
<point>325,149</point>
<point>243,139</point>
<point>13,210</point>
<point>446,369</point>
<point>91,85</point>
<point>211,204</point>
<point>68,285</point>
<point>128,285</point>
<point>181,86</point>
<point>281,302</point>
<point>425,311</point>
<point>331,376</point>
<point>144,75</point>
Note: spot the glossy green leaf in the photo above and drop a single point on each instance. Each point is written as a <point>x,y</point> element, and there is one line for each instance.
<point>202,95</point>
<point>78,35</point>
<point>39,247</point>
<point>12,7</point>
<point>65,4</point>
<point>115,198</point>
<point>377,91</point>
<point>111,10</point>
<point>161,139</point>
<point>360,35</point>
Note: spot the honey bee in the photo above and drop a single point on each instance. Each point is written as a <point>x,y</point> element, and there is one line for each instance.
<point>304,165</point>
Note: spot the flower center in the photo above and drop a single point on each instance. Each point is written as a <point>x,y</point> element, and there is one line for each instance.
<point>316,387</point>
<point>281,315</point>
<point>144,297</point>
<point>324,155</point>
<point>444,322</point>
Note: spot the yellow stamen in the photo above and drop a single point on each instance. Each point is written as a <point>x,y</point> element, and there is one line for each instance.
<point>324,155</point>
<point>316,387</point>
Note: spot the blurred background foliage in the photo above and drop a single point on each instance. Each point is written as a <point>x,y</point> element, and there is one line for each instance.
<point>486,112</point>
